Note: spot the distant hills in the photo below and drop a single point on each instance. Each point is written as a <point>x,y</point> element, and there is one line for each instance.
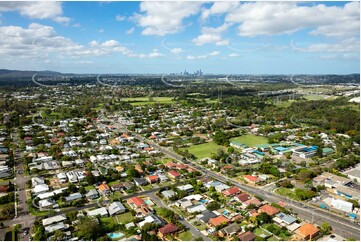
<point>5,73</point>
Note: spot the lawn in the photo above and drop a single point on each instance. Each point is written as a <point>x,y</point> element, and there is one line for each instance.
<point>124,217</point>
<point>87,188</point>
<point>284,104</point>
<point>251,140</point>
<point>203,150</point>
<point>185,236</point>
<point>287,192</point>
<point>261,233</point>
<point>145,100</point>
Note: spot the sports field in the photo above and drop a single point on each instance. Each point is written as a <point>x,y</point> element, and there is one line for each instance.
<point>204,150</point>
<point>251,140</point>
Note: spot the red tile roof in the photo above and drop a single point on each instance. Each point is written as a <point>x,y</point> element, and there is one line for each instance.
<point>307,230</point>
<point>174,173</point>
<point>182,167</point>
<point>153,178</point>
<point>170,164</point>
<point>218,220</point>
<point>103,187</point>
<point>242,197</point>
<point>168,229</point>
<point>247,236</point>
<point>251,178</point>
<point>268,209</point>
<point>231,191</point>
<point>137,201</point>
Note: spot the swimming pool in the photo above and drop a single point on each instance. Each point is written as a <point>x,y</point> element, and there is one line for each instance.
<point>115,235</point>
<point>148,202</point>
<point>203,201</point>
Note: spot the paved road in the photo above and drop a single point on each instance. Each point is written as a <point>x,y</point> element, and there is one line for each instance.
<point>22,217</point>
<point>341,226</point>
<point>191,228</point>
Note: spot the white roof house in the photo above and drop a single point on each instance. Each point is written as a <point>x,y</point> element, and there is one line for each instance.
<point>196,208</point>
<point>58,226</point>
<point>342,205</point>
<point>99,211</point>
<point>72,177</point>
<point>55,219</point>
<point>37,181</point>
<point>46,203</point>
<point>40,189</point>
<point>116,208</point>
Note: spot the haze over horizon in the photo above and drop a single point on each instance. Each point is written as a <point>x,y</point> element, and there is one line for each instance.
<point>168,37</point>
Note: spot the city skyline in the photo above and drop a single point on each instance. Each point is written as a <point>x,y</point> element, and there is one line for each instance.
<point>157,37</point>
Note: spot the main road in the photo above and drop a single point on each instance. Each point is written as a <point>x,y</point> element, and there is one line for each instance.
<point>341,226</point>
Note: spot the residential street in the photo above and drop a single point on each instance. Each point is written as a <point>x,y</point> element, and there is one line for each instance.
<point>193,230</point>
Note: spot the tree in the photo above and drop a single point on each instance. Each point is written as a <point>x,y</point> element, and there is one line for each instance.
<point>58,235</point>
<point>326,228</point>
<point>82,190</point>
<point>88,229</point>
<point>7,211</point>
<point>213,206</point>
<point>263,218</point>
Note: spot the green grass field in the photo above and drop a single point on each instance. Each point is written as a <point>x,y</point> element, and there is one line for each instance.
<point>287,192</point>
<point>185,236</point>
<point>145,100</point>
<point>250,140</point>
<point>204,150</point>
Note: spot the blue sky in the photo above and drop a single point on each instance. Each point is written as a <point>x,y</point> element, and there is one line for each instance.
<point>168,37</point>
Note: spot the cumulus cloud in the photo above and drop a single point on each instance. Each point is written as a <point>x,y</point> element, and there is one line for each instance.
<point>270,18</point>
<point>176,50</point>
<point>345,45</point>
<point>197,57</point>
<point>38,41</point>
<point>36,10</point>
<point>130,31</point>
<point>120,18</point>
<point>161,18</point>
<point>212,35</point>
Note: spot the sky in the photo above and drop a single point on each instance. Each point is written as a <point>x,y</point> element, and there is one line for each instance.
<point>173,36</point>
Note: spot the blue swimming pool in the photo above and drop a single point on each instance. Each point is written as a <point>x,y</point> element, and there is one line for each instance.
<point>148,202</point>
<point>203,201</point>
<point>115,235</point>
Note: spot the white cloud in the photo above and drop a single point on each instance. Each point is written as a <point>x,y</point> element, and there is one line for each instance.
<point>212,35</point>
<point>233,55</point>
<point>119,18</point>
<point>176,50</point>
<point>214,53</point>
<point>345,45</point>
<point>62,20</point>
<point>161,18</point>
<point>197,57</point>
<point>270,18</point>
<point>130,31</point>
<point>218,8</point>
<point>36,10</point>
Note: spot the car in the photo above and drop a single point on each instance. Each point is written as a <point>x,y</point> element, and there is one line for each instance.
<point>332,236</point>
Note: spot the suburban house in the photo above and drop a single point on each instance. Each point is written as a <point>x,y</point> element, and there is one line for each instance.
<point>307,232</point>
<point>247,236</point>
<point>140,181</point>
<point>168,194</point>
<point>116,208</point>
<point>54,219</point>
<point>167,230</point>
<point>241,197</point>
<point>135,202</point>
<point>268,209</point>
<point>152,179</point>
<point>230,230</point>
<point>92,194</point>
<point>104,189</point>
<point>214,222</point>
<point>174,175</point>
<point>251,179</point>
<point>99,211</point>
<point>231,191</point>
